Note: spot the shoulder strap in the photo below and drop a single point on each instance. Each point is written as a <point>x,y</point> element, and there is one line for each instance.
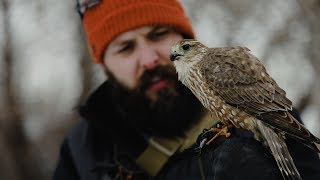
<point>159,150</point>
<point>81,151</point>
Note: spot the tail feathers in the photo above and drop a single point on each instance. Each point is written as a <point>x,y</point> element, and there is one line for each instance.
<point>310,137</point>
<point>309,140</point>
<point>317,140</point>
<point>280,152</point>
<point>309,144</point>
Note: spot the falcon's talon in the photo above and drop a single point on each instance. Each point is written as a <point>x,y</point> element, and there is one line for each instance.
<point>220,132</point>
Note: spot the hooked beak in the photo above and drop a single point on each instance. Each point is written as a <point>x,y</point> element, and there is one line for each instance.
<point>174,55</point>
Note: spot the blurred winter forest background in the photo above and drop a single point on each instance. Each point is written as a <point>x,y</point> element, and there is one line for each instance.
<point>46,72</point>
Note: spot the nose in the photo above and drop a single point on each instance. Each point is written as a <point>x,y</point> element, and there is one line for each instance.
<point>149,57</point>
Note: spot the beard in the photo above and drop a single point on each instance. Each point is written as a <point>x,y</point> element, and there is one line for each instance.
<point>174,110</point>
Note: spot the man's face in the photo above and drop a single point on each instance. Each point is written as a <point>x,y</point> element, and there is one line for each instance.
<point>133,53</point>
<point>145,87</point>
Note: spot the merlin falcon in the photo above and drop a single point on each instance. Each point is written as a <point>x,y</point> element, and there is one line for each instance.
<point>235,87</point>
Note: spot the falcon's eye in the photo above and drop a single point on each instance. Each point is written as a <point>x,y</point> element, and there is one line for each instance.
<point>186,47</point>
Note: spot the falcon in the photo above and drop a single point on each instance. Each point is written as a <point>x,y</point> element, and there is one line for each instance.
<point>235,87</point>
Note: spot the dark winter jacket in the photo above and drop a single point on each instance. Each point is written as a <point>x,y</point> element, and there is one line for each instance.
<point>92,151</point>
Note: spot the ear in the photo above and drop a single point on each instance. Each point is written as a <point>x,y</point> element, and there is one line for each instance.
<point>104,66</point>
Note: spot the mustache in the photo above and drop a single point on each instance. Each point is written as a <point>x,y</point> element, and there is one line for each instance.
<point>150,76</point>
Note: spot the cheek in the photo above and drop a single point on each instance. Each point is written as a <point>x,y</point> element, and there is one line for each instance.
<point>124,70</point>
<point>167,51</point>
<point>167,45</point>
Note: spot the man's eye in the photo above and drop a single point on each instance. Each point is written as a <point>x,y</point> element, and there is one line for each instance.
<point>126,48</point>
<point>158,34</point>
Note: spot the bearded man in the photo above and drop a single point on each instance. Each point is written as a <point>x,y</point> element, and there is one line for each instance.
<point>142,123</point>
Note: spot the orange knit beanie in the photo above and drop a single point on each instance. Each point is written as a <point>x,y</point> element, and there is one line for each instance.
<point>108,19</point>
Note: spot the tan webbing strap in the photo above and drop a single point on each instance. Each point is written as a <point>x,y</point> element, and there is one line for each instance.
<point>160,150</point>
<point>157,154</point>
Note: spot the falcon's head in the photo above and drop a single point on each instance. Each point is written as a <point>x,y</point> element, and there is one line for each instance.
<point>187,50</point>
<point>185,54</point>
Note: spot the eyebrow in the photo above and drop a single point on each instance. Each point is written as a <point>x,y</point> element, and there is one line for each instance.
<point>154,29</point>
<point>121,42</point>
<point>125,41</point>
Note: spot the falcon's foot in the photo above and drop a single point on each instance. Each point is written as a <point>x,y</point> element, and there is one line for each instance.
<point>223,131</point>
